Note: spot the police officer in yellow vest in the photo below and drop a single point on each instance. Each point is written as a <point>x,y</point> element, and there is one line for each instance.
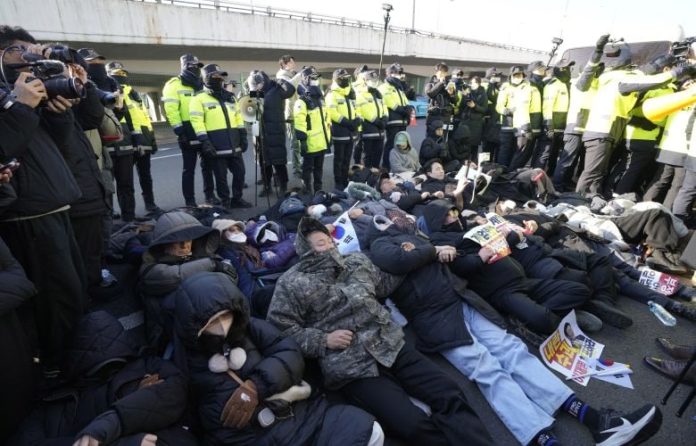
<point>582,92</point>
<point>671,154</point>
<point>359,87</point>
<point>619,89</point>
<point>393,91</point>
<point>641,135</point>
<point>312,129</point>
<point>371,109</point>
<point>555,103</point>
<point>345,124</point>
<point>513,105</point>
<point>176,94</point>
<point>136,123</point>
<point>217,121</point>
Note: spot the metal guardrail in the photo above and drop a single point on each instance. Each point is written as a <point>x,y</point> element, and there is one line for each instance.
<point>267,11</point>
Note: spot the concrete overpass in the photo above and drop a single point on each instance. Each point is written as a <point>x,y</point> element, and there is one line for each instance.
<point>149,35</point>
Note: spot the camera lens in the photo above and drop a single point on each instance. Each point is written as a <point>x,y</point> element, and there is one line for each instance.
<point>69,88</point>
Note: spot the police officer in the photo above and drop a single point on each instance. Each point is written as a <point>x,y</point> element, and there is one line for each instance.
<point>582,92</point>
<point>515,128</point>
<point>491,131</point>
<point>393,91</point>
<point>360,87</point>
<point>136,121</point>
<point>371,109</point>
<point>555,105</point>
<point>641,134</point>
<point>345,124</point>
<point>618,93</point>
<point>217,121</point>
<point>312,129</point>
<point>176,95</point>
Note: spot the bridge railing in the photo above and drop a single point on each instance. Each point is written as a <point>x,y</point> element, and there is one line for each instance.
<point>240,8</point>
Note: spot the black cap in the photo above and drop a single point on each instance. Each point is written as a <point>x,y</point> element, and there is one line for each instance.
<point>89,54</point>
<point>212,69</point>
<point>340,73</point>
<point>564,63</point>
<point>491,72</point>
<point>517,69</point>
<point>189,59</point>
<point>395,68</point>
<point>535,65</point>
<point>436,124</point>
<point>115,66</point>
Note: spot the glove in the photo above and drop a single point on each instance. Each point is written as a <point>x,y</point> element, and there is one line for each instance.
<point>602,42</point>
<point>241,406</point>
<point>154,147</point>
<point>183,141</point>
<point>684,70</point>
<point>207,150</point>
<point>243,140</point>
<point>379,123</point>
<point>357,121</point>
<point>223,266</point>
<point>303,147</point>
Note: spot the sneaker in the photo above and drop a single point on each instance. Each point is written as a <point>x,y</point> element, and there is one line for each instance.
<point>518,328</point>
<point>240,203</point>
<point>588,322</point>
<point>108,279</point>
<point>609,314</point>
<point>616,429</point>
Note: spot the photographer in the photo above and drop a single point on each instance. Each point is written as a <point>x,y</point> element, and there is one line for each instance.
<point>37,225</point>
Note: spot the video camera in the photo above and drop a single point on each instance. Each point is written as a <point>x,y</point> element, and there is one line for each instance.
<point>682,50</point>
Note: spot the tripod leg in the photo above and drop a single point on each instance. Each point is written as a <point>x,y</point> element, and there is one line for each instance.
<point>680,379</point>
<point>686,402</point>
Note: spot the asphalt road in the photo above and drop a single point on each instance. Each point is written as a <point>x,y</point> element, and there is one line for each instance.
<point>628,346</point>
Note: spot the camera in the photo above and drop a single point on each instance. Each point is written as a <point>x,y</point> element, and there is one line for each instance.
<point>50,72</point>
<point>107,99</point>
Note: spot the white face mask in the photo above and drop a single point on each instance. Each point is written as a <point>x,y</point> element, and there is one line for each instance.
<point>372,84</point>
<point>236,237</point>
<point>314,83</point>
<point>516,80</point>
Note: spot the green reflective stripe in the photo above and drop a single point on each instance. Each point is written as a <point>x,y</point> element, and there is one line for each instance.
<point>185,92</point>
<point>195,113</point>
<point>201,133</point>
<point>210,104</point>
<point>170,100</point>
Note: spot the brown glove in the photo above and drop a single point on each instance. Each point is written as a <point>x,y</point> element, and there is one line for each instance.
<point>241,406</point>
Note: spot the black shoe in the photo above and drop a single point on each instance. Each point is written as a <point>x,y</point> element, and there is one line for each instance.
<point>686,310</point>
<point>608,313</point>
<point>152,208</point>
<point>672,369</point>
<point>213,201</point>
<point>634,428</point>
<point>246,186</point>
<point>265,192</point>
<point>191,203</point>
<point>676,351</point>
<point>518,328</point>
<point>240,203</point>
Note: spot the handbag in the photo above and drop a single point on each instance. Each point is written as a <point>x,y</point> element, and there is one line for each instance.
<point>110,129</point>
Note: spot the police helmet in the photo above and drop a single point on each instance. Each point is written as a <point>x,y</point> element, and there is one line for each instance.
<point>617,55</point>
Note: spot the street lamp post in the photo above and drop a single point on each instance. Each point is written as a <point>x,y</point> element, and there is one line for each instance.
<point>387,9</point>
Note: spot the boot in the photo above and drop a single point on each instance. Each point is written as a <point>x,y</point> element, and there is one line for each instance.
<point>608,313</point>
<point>225,202</point>
<point>683,309</point>
<point>672,369</point>
<point>676,351</point>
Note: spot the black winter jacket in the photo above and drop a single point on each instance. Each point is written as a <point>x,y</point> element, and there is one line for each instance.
<point>43,182</point>
<point>15,349</point>
<point>104,398</point>
<point>274,126</point>
<point>430,296</point>
<point>273,363</point>
<point>441,103</point>
<point>81,159</point>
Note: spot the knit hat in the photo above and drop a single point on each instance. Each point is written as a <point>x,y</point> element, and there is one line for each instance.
<point>222,224</point>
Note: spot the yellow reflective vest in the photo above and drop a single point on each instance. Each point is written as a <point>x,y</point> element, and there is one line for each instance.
<point>639,128</point>
<point>176,97</point>
<point>341,108</point>
<point>370,107</point>
<point>219,122</point>
<point>555,105</point>
<point>516,99</point>
<point>312,124</point>
<point>395,100</point>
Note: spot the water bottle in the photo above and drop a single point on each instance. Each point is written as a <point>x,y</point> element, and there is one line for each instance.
<point>662,314</point>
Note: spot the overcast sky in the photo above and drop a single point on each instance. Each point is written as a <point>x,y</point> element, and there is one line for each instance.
<point>527,23</point>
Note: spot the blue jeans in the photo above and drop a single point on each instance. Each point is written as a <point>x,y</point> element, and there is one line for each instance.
<point>519,388</point>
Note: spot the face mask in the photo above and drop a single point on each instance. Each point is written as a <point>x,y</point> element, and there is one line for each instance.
<point>373,84</point>
<point>96,71</point>
<point>120,79</point>
<point>516,80</point>
<point>314,83</point>
<point>236,237</point>
<point>343,83</point>
<point>215,84</point>
<point>194,70</point>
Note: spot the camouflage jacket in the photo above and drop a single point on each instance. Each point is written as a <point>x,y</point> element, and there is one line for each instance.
<point>324,292</point>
